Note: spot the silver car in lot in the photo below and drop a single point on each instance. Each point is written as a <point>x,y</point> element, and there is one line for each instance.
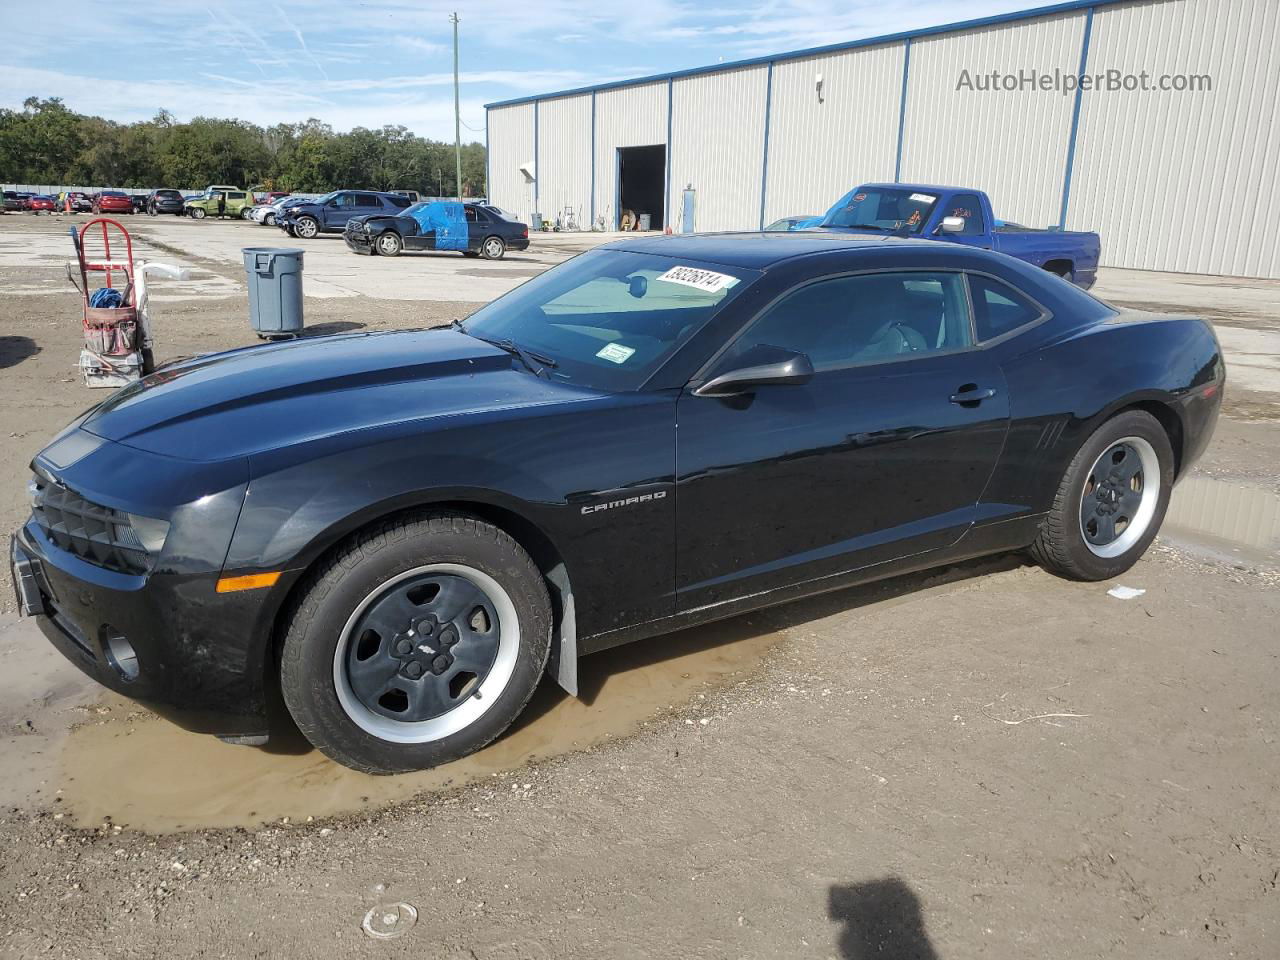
<point>265,214</point>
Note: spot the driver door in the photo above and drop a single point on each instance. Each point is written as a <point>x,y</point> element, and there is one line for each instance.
<point>883,453</point>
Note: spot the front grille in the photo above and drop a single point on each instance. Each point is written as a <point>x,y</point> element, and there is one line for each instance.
<point>99,535</point>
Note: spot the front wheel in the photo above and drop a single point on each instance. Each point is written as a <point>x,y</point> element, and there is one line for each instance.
<point>389,244</point>
<point>493,248</point>
<point>269,219</point>
<point>1111,501</point>
<point>246,213</point>
<point>306,228</point>
<point>198,213</point>
<point>416,644</point>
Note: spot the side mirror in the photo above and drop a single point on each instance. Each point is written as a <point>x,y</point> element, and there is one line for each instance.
<point>638,286</point>
<point>951,225</point>
<point>788,368</point>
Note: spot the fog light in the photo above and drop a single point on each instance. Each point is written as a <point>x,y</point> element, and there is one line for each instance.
<point>119,653</point>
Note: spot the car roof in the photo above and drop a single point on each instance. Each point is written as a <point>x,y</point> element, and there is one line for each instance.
<point>921,187</point>
<point>756,250</point>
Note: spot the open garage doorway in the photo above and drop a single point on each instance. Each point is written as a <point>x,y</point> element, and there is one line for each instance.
<point>642,177</point>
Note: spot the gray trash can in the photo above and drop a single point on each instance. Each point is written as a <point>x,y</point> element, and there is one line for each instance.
<point>275,290</point>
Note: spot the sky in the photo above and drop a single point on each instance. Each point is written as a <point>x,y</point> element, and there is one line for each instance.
<point>369,63</point>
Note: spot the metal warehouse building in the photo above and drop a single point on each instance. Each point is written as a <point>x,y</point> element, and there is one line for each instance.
<point>1181,180</point>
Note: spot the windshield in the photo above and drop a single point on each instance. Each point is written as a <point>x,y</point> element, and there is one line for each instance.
<point>415,208</point>
<point>610,318</point>
<point>887,209</point>
<point>327,197</point>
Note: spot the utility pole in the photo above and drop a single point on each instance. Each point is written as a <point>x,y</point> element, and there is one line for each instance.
<point>457,113</point>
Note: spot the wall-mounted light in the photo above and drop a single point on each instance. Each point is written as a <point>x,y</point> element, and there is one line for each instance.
<point>817,85</point>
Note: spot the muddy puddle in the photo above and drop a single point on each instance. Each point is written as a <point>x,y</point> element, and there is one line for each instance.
<point>144,773</point>
<point>1227,521</point>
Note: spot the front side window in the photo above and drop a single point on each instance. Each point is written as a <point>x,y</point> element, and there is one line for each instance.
<point>998,308</point>
<point>884,210</point>
<point>967,207</point>
<point>867,318</point>
<point>610,318</point>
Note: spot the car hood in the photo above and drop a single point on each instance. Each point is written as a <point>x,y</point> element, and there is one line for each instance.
<point>261,398</point>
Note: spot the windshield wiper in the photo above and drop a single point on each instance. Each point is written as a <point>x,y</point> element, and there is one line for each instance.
<point>537,364</point>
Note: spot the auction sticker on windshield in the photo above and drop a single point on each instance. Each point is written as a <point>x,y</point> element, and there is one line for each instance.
<point>923,198</point>
<point>700,279</point>
<point>615,353</point>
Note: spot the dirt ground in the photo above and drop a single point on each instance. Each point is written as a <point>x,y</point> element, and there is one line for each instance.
<point>982,761</point>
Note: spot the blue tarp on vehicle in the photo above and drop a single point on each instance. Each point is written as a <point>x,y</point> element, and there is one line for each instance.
<point>447,220</point>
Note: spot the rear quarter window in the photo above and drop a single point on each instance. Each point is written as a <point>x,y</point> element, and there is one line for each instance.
<point>999,309</point>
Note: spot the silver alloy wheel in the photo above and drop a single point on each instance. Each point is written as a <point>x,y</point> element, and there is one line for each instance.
<point>246,213</point>
<point>1120,497</point>
<point>493,248</point>
<point>306,228</point>
<point>198,213</point>
<point>473,703</point>
<point>388,244</point>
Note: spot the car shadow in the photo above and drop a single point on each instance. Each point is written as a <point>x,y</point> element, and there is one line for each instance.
<point>880,919</point>
<point>594,670</point>
<point>13,350</point>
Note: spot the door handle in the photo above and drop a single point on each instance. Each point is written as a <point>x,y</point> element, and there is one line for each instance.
<point>971,393</point>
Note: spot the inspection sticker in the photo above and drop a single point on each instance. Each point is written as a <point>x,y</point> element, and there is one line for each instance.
<point>923,198</point>
<point>615,353</point>
<point>707,280</point>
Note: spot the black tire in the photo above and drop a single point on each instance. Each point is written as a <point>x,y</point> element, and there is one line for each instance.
<point>307,228</point>
<point>320,639</point>
<point>388,244</point>
<point>1063,546</point>
<point>493,248</point>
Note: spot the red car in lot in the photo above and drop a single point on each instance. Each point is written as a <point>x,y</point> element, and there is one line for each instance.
<point>112,201</point>
<point>38,203</point>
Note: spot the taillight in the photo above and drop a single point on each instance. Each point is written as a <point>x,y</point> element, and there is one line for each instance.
<point>525,233</point>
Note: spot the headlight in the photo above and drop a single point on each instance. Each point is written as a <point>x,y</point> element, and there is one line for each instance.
<point>151,532</point>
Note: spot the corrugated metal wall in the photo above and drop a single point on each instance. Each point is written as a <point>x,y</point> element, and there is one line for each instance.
<point>625,117</point>
<point>1184,181</point>
<point>818,148</point>
<point>717,146</point>
<point>1011,144</point>
<point>510,145</point>
<point>564,156</point>
<point>1171,180</point>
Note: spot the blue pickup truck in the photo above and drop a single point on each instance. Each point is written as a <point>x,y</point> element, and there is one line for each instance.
<point>963,215</point>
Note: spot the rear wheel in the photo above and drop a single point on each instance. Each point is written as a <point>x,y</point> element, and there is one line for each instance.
<point>493,248</point>
<point>416,644</point>
<point>306,227</point>
<point>246,213</point>
<point>269,219</point>
<point>389,244</point>
<point>1111,501</point>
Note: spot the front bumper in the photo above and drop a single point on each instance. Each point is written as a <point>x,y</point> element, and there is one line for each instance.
<point>360,242</point>
<point>195,661</point>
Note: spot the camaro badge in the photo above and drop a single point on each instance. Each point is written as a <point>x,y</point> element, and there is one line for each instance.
<point>611,504</point>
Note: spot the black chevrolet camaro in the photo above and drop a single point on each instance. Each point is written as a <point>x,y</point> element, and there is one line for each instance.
<point>472,229</point>
<point>405,530</point>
